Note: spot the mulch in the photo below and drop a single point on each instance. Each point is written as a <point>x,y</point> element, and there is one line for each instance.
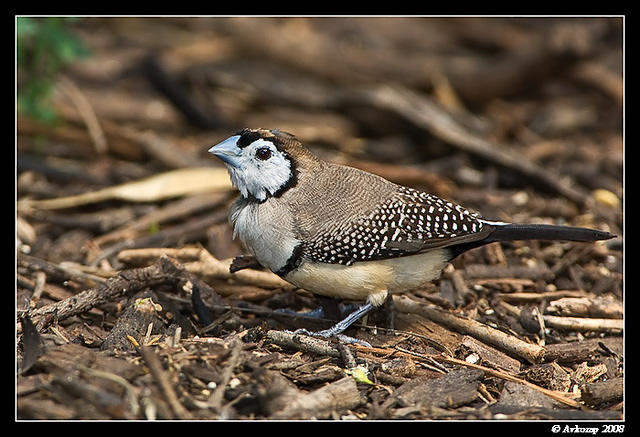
<point>135,303</point>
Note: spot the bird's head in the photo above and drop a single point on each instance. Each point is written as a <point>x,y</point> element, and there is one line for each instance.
<point>261,162</point>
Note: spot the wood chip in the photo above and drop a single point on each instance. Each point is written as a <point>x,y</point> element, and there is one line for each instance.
<point>490,356</point>
<point>321,403</point>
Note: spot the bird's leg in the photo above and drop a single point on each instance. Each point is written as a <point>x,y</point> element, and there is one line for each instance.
<point>328,308</point>
<point>316,313</point>
<point>385,314</point>
<point>337,329</point>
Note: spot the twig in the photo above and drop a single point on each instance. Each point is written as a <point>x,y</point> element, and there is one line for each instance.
<point>574,323</point>
<point>164,270</point>
<point>153,188</point>
<point>159,375</point>
<point>483,271</point>
<point>503,282</point>
<point>599,76</point>
<point>57,332</point>
<point>249,293</point>
<point>580,351</point>
<point>605,307</point>
<point>560,397</point>
<point>86,112</point>
<point>59,271</point>
<point>132,397</point>
<point>535,297</point>
<point>497,373</point>
<point>41,279</point>
<point>215,401</point>
<point>303,343</point>
<point>584,324</point>
<point>434,366</point>
<point>174,91</point>
<point>506,342</point>
<point>572,257</point>
<point>157,147</point>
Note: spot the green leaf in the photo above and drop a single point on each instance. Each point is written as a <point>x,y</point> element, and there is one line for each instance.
<point>26,26</point>
<point>44,47</point>
<point>360,374</point>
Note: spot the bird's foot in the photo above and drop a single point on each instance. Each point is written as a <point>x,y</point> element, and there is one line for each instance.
<point>328,333</point>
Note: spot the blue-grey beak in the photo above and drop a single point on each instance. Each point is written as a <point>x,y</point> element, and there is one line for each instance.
<point>228,151</point>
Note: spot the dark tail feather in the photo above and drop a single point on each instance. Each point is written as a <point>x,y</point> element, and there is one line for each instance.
<point>515,231</point>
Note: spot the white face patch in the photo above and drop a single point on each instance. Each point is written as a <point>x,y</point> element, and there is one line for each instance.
<point>262,170</point>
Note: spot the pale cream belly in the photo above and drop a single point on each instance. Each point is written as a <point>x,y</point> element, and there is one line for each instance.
<point>370,280</point>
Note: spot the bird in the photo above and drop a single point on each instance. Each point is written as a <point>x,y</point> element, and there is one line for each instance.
<point>345,233</point>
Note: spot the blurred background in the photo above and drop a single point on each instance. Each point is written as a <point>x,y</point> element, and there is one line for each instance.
<point>520,118</point>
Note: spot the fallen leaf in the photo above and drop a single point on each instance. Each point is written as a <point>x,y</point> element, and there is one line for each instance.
<point>173,183</point>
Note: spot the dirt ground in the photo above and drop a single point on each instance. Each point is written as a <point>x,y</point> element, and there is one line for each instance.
<point>125,304</point>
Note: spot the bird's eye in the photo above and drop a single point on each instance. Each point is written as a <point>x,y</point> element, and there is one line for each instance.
<point>263,153</point>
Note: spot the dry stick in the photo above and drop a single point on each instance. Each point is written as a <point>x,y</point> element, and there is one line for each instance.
<point>152,361</point>
<point>560,397</point>
<point>157,146</point>
<point>535,297</point>
<point>215,401</point>
<point>584,324</point>
<point>499,282</point>
<point>164,270</point>
<point>604,307</point>
<point>205,265</point>
<point>594,73</point>
<point>86,112</point>
<point>510,272</point>
<point>40,282</point>
<point>303,342</point>
<point>60,271</point>
<point>571,258</point>
<point>250,293</point>
<point>130,392</point>
<point>188,231</point>
<point>174,210</point>
<point>68,132</point>
<point>574,323</point>
<point>513,345</point>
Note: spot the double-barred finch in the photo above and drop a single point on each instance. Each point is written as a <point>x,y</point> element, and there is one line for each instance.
<point>342,232</point>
